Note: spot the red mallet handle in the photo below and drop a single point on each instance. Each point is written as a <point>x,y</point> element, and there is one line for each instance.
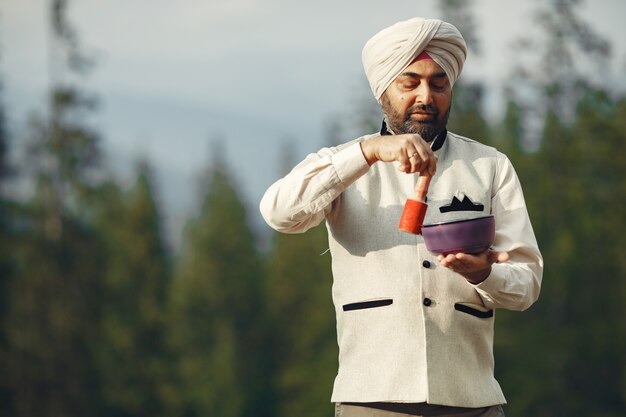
<point>415,209</point>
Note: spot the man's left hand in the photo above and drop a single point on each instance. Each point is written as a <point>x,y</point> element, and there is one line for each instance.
<point>474,268</point>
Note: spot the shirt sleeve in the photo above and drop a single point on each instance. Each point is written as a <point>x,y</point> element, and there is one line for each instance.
<point>514,285</point>
<point>301,199</point>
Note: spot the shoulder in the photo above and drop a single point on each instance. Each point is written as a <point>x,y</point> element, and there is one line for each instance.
<point>465,144</point>
<point>331,150</point>
<point>352,142</point>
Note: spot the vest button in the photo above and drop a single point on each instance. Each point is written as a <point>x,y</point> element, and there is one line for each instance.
<point>427,301</point>
<point>426,264</point>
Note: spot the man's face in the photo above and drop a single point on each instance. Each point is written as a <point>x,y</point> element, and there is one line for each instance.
<point>418,100</point>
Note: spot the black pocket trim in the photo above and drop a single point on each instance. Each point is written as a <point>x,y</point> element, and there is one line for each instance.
<point>461,205</point>
<point>474,312</point>
<point>367,304</point>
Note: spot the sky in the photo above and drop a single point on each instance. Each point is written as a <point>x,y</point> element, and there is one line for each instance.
<point>172,77</point>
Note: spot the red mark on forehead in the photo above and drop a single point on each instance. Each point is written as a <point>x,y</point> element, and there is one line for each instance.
<point>423,56</point>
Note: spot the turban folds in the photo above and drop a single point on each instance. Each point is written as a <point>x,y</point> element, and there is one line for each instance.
<point>393,49</point>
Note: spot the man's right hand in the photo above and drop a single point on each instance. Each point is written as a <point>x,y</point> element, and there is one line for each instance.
<point>410,150</point>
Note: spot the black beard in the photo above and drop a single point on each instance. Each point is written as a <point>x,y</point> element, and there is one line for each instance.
<point>404,124</point>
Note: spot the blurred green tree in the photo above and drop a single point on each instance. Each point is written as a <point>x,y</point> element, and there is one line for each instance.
<point>300,309</point>
<point>572,183</point>
<point>134,362</point>
<point>55,255</point>
<point>50,316</point>
<point>527,344</point>
<point>5,259</point>
<point>466,115</point>
<point>598,222</point>
<point>304,345</point>
<point>217,308</point>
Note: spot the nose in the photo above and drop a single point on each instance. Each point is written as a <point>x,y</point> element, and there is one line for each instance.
<point>423,94</point>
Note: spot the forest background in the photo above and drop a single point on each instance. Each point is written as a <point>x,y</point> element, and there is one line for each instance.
<point>101,315</point>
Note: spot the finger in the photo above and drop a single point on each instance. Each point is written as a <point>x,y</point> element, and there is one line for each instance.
<point>432,166</point>
<point>496,257</point>
<point>502,257</point>
<point>427,161</point>
<point>468,261</point>
<point>424,152</point>
<point>425,167</point>
<point>415,160</point>
<point>448,260</point>
<point>405,163</point>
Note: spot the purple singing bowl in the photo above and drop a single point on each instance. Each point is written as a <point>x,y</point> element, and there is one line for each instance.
<point>468,236</point>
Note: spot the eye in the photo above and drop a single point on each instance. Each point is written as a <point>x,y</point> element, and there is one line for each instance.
<point>407,83</point>
<point>439,85</point>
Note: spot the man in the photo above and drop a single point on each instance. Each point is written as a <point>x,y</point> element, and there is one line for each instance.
<point>415,330</point>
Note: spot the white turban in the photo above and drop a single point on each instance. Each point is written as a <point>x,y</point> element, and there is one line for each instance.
<point>393,49</point>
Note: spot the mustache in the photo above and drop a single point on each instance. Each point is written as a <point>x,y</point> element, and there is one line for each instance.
<point>427,108</point>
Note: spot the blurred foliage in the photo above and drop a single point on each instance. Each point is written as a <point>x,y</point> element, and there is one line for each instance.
<point>299,307</point>
<point>99,318</point>
<point>132,355</point>
<point>217,304</point>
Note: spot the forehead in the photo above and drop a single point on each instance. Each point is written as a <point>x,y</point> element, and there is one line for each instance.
<point>423,68</point>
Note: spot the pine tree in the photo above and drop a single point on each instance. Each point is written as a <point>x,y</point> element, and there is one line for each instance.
<point>5,262</point>
<point>132,354</point>
<point>619,217</point>
<point>529,343</point>
<point>466,115</point>
<point>49,320</point>
<point>570,183</point>
<point>218,312</point>
<point>304,344</point>
<point>55,260</point>
<point>596,218</point>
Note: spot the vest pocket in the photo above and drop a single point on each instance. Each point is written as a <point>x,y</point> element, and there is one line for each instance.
<point>368,304</point>
<point>473,311</point>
